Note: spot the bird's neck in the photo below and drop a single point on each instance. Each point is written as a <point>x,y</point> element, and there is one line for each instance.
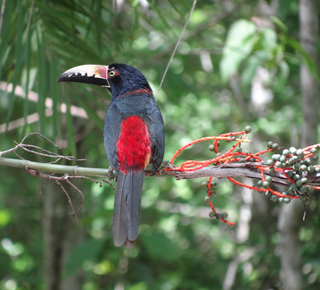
<point>132,91</point>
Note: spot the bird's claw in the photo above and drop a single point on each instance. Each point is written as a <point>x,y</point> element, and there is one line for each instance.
<point>165,165</point>
<point>112,175</point>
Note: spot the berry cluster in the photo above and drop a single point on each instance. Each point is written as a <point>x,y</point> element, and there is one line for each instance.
<point>294,166</point>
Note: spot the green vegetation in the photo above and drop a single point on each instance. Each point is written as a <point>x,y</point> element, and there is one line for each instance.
<point>229,52</point>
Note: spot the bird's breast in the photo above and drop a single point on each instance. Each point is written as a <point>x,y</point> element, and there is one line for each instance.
<point>133,145</point>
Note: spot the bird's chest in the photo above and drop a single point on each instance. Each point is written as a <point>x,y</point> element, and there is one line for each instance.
<point>133,145</point>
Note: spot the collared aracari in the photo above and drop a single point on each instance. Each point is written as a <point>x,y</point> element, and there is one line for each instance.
<point>133,138</point>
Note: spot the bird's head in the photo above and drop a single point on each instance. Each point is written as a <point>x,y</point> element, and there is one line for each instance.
<point>118,78</point>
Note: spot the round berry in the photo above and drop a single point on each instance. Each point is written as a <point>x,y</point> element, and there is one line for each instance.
<point>211,147</point>
<point>274,198</point>
<point>207,198</point>
<point>287,200</point>
<point>269,144</point>
<point>224,215</point>
<point>248,129</point>
<point>292,150</point>
<point>266,184</point>
<point>286,152</point>
<point>212,214</point>
<point>270,162</point>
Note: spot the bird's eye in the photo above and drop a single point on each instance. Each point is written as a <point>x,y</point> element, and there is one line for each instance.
<point>112,73</point>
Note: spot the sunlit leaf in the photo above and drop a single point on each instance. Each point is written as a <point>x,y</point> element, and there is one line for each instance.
<point>239,43</point>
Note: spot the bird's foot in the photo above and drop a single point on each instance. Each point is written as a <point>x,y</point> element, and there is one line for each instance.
<point>112,175</point>
<point>165,165</point>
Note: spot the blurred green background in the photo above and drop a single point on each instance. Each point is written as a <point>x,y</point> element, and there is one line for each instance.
<point>238,64</point>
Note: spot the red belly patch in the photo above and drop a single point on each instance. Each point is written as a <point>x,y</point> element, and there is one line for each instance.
<point>133,146</point>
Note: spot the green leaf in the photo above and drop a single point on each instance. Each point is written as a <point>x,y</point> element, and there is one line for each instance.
<point>240,41</point>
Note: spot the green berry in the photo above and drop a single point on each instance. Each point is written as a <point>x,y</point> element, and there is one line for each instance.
<point>283,158</point>
<point>278,164</point>
<point>310,188</point>
<point>304,180</point>
<point>313,150</point>
<point>211,147</point>
<point>315,157</point>
<point>268,178</point>
<point>224,215</point>
<point>218,216</point>
<point>266,184</point>
<point>303,188</point>
<point>207,198</point>
<point>274,198</point>
<point>300,153</point>
<point>271,171</point>
<point>275,146</point>
<point>259,183</point>
<point>287,200</point>
<point>269,144</point>
<point>214,184</point>
<point>293,187</point>
<point>281,199</point>
<point>296,177</point>
<point>298,183</point>
<point>303,167</point>
<point>307,161</point>
<point>213,193</point>
<point>212,214</point>
<point>310,168</point>
<point>296,167</point>
<point>276,157</point>
<point>289,174</point>
<point>286,152</point>
<point>248,129</point>
<point>204,183</point>
<point>291,161</point>
<point>270,162</point>
<point>292,150</point>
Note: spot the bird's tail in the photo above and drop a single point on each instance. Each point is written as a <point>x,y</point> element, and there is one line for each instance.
<point>126,213</point>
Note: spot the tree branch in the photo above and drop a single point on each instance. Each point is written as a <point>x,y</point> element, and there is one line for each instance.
<point>246,169</point>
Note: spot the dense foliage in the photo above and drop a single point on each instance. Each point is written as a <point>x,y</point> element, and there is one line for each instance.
<point>208,91</point>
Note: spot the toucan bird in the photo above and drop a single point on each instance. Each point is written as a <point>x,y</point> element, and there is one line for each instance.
<point>133,138</point>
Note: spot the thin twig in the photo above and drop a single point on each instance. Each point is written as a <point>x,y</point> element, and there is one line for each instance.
<point>176,47</point>
<point>44,185</point>
<point>80,192</point>
<point>69,200</point>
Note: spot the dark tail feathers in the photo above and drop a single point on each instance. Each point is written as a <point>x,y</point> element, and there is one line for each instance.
<point>126,213</point>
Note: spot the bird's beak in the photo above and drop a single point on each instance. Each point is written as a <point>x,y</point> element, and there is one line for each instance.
<point>89,73</point>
